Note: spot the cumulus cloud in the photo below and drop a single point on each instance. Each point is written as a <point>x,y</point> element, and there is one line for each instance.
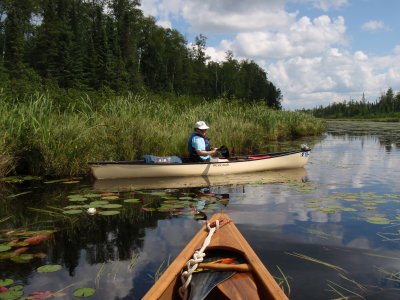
<point>308,58</point>
<point>373,25</point>
<point>326,5</point>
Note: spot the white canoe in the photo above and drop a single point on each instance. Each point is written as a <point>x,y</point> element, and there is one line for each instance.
<point>133,184</point>
<point>235,165</point>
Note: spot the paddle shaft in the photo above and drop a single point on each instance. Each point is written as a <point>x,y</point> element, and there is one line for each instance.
<point>225,267</point>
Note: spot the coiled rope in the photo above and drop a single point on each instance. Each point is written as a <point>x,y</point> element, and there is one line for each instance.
<point>198,257</point>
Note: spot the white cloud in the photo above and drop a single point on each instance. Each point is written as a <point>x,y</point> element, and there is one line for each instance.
<point>326,5</point>
<point>373,25</point>
<point>396,50</point>
<point>359,55</point>
<point>309,59</point>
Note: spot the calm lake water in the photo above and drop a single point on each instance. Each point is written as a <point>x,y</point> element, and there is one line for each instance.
<point>327,231</point>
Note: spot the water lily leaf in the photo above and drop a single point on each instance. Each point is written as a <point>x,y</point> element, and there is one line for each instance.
<point>109,212</point>
<point>22,259</point>
<point>91,195</point>
<point>378,220</point>
<point>4,248</point>
<point>133,200</point>
<point>110,197</point>
<point>74,206</point>
<point>76,199</point>
<point>49,268</point>
<point>158,193</point>
<point>6,282</point>
<point>72,211</point>
<point>84,292</point>
<point>98,203</point>
<point>27,178</point>
<point>311,205</point>
<point>13,293</point>
<point>349,209</point>
<point>111,206</point>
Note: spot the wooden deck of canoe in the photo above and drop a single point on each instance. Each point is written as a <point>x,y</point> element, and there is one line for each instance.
<point>251,280</point>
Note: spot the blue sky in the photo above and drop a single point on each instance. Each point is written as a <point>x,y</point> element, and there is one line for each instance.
<point>316,51</point>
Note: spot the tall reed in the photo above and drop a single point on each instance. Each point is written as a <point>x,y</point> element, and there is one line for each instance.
<point>41,136</point>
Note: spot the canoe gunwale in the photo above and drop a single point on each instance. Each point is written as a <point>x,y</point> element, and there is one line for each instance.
<point>168,284</point>
<point>235,159</point>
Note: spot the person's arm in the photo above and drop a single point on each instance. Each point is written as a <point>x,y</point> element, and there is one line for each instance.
<point>204,152</point>
<point>199,145</point>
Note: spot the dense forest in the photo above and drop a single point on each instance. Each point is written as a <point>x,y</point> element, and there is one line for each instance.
<point>386,106</point>
<point>109,45</point>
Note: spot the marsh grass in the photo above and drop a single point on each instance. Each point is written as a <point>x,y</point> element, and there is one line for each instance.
<point>43,135</point>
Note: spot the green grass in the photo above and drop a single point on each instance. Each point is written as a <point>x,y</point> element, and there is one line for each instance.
<point>54,136</point>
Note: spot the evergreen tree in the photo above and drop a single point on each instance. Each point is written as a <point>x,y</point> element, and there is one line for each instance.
<point>16,28</point>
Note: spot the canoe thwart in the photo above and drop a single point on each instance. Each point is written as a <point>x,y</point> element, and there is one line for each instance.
<point>225,267</point>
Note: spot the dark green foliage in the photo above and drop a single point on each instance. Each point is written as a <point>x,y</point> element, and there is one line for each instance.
<point>110,45</point>
<point>388,105</point>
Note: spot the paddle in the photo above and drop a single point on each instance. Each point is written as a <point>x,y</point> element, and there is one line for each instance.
<point>217,267</point>
<point>224,151</point>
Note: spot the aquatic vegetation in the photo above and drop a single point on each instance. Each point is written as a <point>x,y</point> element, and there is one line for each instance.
<point>133,261</point>
<point>342,292</point>
<point>318,261</point>
<point>160,270</point>
<point>390,275</point>
<point>132,200</point>
<point>283,281</point>
<point>13,292</point>
<point>84,292</point>
<point>109,212</point>
<point>49,268</point>
<point>378,219</point>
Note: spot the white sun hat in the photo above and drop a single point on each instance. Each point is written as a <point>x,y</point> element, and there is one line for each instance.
<point>201,125</point>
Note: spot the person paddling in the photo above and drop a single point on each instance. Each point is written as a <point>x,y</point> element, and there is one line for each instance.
<point>199,147</point>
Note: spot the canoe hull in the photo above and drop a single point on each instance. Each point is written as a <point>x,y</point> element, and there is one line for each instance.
<point>229,238</point>
<point>132,184</point>
<point>111,170</point>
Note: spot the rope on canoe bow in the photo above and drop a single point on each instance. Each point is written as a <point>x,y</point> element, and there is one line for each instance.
<point>198,257</point>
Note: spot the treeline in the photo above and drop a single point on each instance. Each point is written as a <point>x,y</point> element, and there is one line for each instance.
<point>109,45</point>
<point>387,105</point>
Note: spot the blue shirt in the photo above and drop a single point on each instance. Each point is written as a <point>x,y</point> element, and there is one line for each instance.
<point>198,143</point>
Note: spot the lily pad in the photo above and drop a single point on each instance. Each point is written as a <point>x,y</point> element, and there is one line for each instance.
<point>4,248</point>
<point>84,292</point>
<point>6,282</point>
<point>98,203</point>
<point>49,268</point>
<point>132,200</point>
<point>23,258</point>
<point>111,206</point>
<point>378,220</point>
<point>92,195</point>
<point>110,197</point>
<point>72,211</point>
<point>14,292</point>
<point>77,199</point>
<point>109,212</point>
